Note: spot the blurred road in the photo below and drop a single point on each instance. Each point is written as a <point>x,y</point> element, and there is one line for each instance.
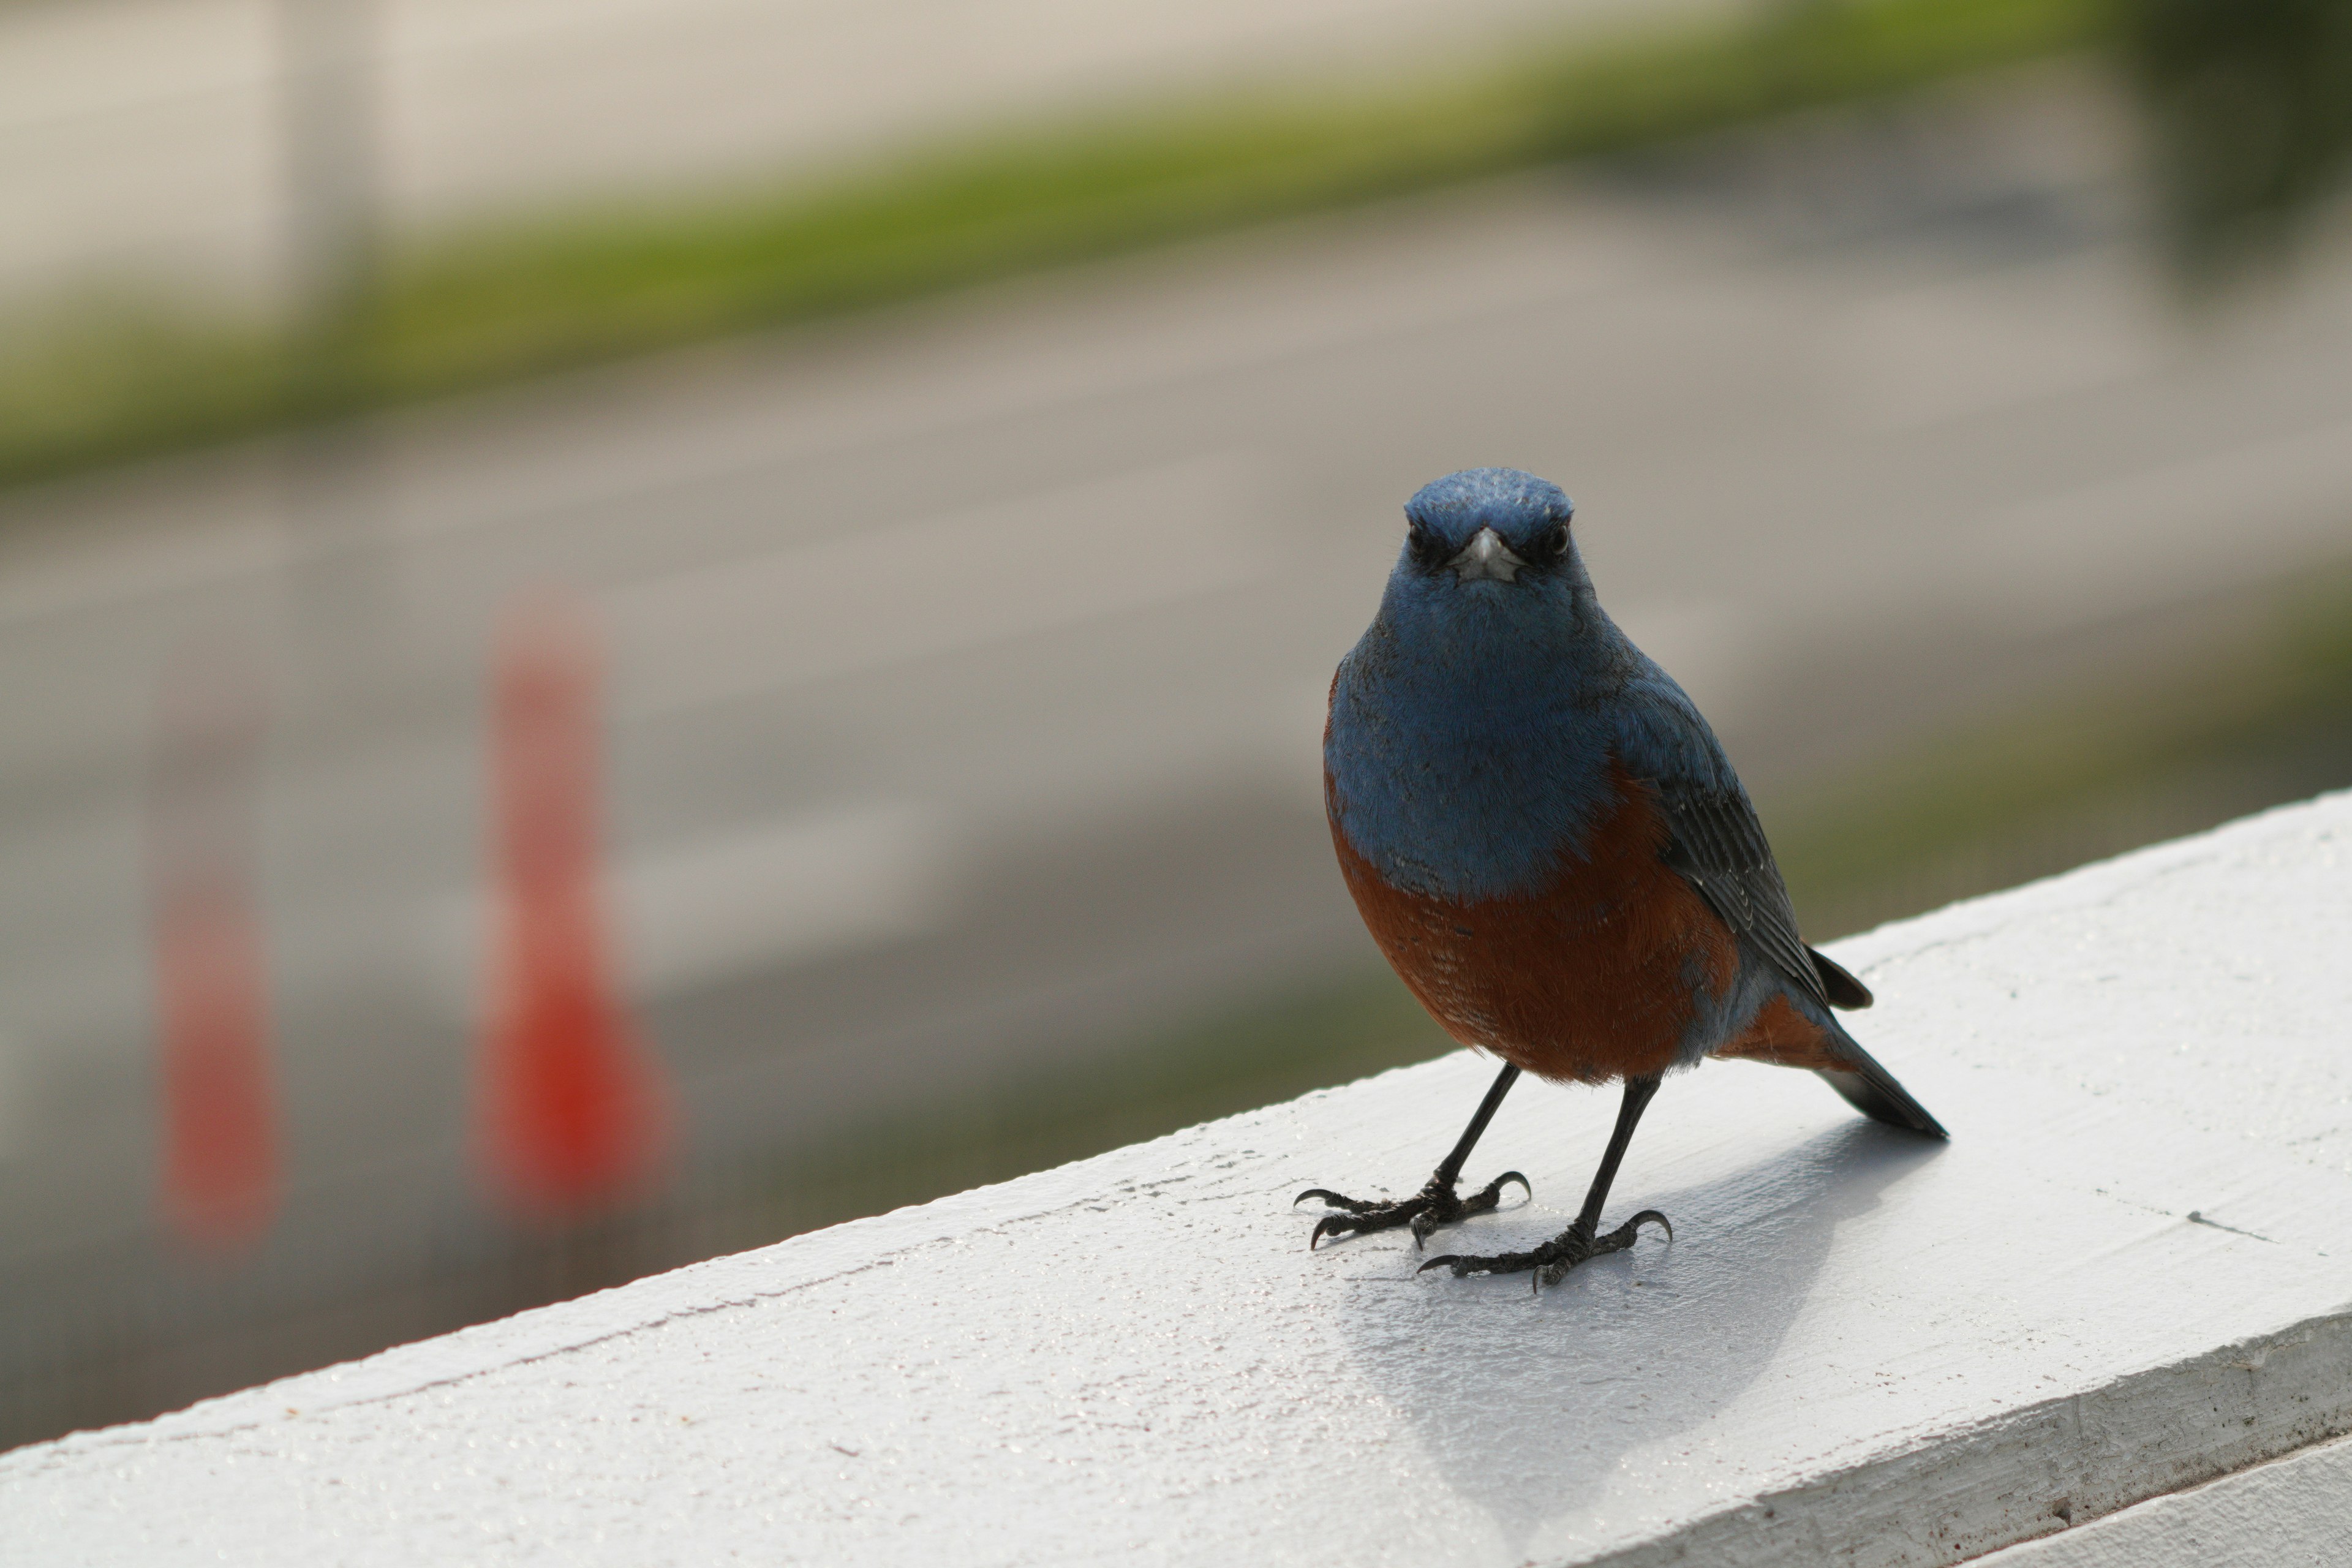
<point>141,140</point>
<point>968,661</point>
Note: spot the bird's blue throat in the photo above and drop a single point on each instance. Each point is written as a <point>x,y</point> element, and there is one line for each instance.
<point>1469,748</point>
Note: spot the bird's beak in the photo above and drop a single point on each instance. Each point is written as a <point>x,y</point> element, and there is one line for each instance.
<point>1486,556</point>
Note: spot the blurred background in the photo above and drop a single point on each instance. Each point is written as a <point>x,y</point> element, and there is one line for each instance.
<point>630,628</point>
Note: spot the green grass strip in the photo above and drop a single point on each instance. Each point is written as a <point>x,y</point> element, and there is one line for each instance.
<point>474,310</point>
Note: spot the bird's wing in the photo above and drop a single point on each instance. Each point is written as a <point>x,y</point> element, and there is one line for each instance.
<point>1713,839</point>
<point>1715,842</point>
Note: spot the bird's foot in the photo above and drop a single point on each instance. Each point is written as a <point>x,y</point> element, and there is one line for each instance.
<point>1552,1260</point>
<point>1436,1204</point>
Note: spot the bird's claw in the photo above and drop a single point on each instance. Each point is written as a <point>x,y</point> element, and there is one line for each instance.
<point>1435,1205</point>
<point>1364,1217</point>
<point>1552,1261</point>
<point>1330,1225</point>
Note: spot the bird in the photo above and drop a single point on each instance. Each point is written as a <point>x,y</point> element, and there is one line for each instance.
<point>1549,844</point>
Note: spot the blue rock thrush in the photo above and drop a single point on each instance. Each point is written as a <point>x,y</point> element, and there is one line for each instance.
<point>1551,849</point>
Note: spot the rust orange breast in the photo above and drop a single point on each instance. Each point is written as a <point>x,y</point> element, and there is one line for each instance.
<point>1594,977</point>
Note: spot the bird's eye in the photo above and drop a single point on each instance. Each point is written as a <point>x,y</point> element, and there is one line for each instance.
<point>1554,546</point>
<point>1547,549</point>
<point>1424,548</point>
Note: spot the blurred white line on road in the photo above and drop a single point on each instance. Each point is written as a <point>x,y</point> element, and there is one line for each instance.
<point>813,886</point>
<point>808,886</point>
<point>871,596</point>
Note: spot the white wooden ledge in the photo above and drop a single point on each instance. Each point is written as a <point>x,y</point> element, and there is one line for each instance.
<point>2130,1272</point>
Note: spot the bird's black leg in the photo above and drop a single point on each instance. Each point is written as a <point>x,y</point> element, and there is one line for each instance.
<point>1582,1240</point>
<point>1435,1205</point>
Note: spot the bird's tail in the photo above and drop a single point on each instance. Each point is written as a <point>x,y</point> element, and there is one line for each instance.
<point>1872,1089</point>
<point>1867,1087</point>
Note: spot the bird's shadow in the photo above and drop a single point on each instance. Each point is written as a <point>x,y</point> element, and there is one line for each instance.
<point>1530,1406</point>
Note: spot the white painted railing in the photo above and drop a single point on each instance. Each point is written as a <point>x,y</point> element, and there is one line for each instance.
<point>2129,1273</point>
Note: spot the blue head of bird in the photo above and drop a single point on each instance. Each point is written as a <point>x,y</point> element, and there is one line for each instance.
<point>1489,557</point>
<point>1462,746</point>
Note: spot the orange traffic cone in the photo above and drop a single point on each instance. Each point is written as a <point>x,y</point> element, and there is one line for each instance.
<point>574,1116</point>
<point>220,1172</point>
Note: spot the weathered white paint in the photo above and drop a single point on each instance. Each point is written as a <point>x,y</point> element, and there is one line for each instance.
<point>1859,1347</point>
<point>2295,1512</point>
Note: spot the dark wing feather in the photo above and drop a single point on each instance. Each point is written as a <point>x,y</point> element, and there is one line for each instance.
<point>1715,842</point>
<point>1844,989</point>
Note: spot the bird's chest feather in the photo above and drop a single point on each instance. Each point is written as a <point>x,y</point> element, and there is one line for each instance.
<point>1462,784</point>
<point>1509,868</point>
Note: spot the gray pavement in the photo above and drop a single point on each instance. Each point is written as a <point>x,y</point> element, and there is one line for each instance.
<point>967,660</point>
